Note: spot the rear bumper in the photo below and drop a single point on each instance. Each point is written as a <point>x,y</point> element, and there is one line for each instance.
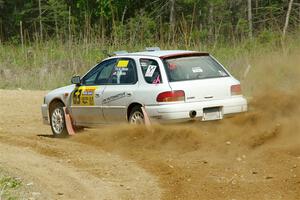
<point>45,114</point>
<point>181,111</point>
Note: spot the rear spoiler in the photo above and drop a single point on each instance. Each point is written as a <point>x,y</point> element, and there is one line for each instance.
<point>179,55</point>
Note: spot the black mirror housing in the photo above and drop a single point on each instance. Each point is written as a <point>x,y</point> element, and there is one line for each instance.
<point>75,80</point>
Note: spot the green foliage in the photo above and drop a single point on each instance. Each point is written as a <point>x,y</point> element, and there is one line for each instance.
<point>212,20</point>
<point>267,36</point>
<point>8,187</point>
<point>74,33</point>
<point>142,29</point>
<point>104,8</point>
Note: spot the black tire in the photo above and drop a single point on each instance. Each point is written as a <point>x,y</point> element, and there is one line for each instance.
<point>57,121</point>
<point>136,116</point>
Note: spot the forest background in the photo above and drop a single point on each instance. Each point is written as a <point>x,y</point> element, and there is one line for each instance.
<point>44,42</point>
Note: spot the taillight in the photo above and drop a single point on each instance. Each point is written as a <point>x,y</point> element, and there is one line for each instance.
<point>236,90</point>
<point>177,95</point>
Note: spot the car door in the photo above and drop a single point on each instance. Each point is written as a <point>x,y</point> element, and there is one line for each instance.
<point>119,93</point>
<point>86,99</point>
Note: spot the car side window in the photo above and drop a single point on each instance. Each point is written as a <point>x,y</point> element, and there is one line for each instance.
<point>151,72</point>
<point>124,72</point>
<point>100,74</point>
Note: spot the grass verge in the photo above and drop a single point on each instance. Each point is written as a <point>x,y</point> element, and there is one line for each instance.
<point>9,187</point>
<point>51,64</point>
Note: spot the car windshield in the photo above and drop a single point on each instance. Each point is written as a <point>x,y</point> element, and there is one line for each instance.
<point>193,68</point>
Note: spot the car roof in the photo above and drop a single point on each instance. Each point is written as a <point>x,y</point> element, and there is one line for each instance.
<point>160,53</point>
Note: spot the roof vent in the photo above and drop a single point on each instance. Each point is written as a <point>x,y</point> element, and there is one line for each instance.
<point>152,49</point>
<point>117,53</point>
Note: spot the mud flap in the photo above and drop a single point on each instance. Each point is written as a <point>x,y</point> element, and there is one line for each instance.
<point>69,124</point>
<point>146,117</point>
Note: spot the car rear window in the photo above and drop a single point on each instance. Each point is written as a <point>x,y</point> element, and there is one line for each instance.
<point>193,68</point>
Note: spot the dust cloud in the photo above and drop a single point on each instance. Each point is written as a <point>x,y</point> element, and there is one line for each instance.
<point>273,113</point>
<point>246,156</point>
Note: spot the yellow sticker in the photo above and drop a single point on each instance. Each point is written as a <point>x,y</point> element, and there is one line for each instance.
<point>84,96</point>
<point>123,63</point>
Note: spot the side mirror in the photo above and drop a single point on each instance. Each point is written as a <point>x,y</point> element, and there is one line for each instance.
<point>75,80</point>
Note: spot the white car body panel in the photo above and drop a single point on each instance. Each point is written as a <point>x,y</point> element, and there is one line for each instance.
<point>112,101</point>
<point>179,112</point>
<point>116,110</point>
<point>205,89</point>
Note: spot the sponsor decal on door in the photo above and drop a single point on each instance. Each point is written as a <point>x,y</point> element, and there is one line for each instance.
<point>84,96</point>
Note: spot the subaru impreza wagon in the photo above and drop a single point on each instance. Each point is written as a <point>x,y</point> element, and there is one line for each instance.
<point>167,86</point>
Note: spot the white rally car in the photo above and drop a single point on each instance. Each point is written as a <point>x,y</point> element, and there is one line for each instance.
<point>167,86</point>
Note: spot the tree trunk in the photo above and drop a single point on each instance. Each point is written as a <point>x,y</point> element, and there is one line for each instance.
<point>21,34</point>
<point>69,26</point>
<point>250,19</point>
<point>102,26</point>
<point>36,34</point>
<point>210,21</point>
<point>102,29</point>
<point>1,31</point>
<point>172,19</point>
<point>287,19</point>
<point>256,6</point>
<point>123,15</point>
<point>192,24</point>
<point>40,19</point>
<point>299,16</point>
<point>161,31</point>
<point>113,22</point>
<point>56,25</point>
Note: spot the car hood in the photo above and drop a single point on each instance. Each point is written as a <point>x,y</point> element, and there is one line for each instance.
<point>62,90</point>
<point>59,93</point>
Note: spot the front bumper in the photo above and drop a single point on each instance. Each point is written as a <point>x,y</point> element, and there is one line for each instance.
<point>45,114</point>
<point>178,112</point>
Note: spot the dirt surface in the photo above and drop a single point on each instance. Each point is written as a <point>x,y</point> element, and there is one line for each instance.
<point>250,156</point>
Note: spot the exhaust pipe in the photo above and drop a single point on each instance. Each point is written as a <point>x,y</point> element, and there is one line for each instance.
<point>193,114</point>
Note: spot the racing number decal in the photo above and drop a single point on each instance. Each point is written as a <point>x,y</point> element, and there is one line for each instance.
<point>150,71</point>
<point>123,63</point>
<point>84,96</point>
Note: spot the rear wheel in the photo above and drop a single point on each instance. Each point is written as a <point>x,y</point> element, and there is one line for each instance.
<point>57,121</point>
<point>136,116</point>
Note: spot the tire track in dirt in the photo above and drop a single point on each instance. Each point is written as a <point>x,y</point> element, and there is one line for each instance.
<point>60,165</point>
<point>103,175</point>
<point>53,179</point>
<point>93,174</point>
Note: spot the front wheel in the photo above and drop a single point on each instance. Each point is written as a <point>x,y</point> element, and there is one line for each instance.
<point>136,116</point>
<point>57,121</point>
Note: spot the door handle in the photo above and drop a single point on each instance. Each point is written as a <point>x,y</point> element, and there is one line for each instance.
<point>128,94</point>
